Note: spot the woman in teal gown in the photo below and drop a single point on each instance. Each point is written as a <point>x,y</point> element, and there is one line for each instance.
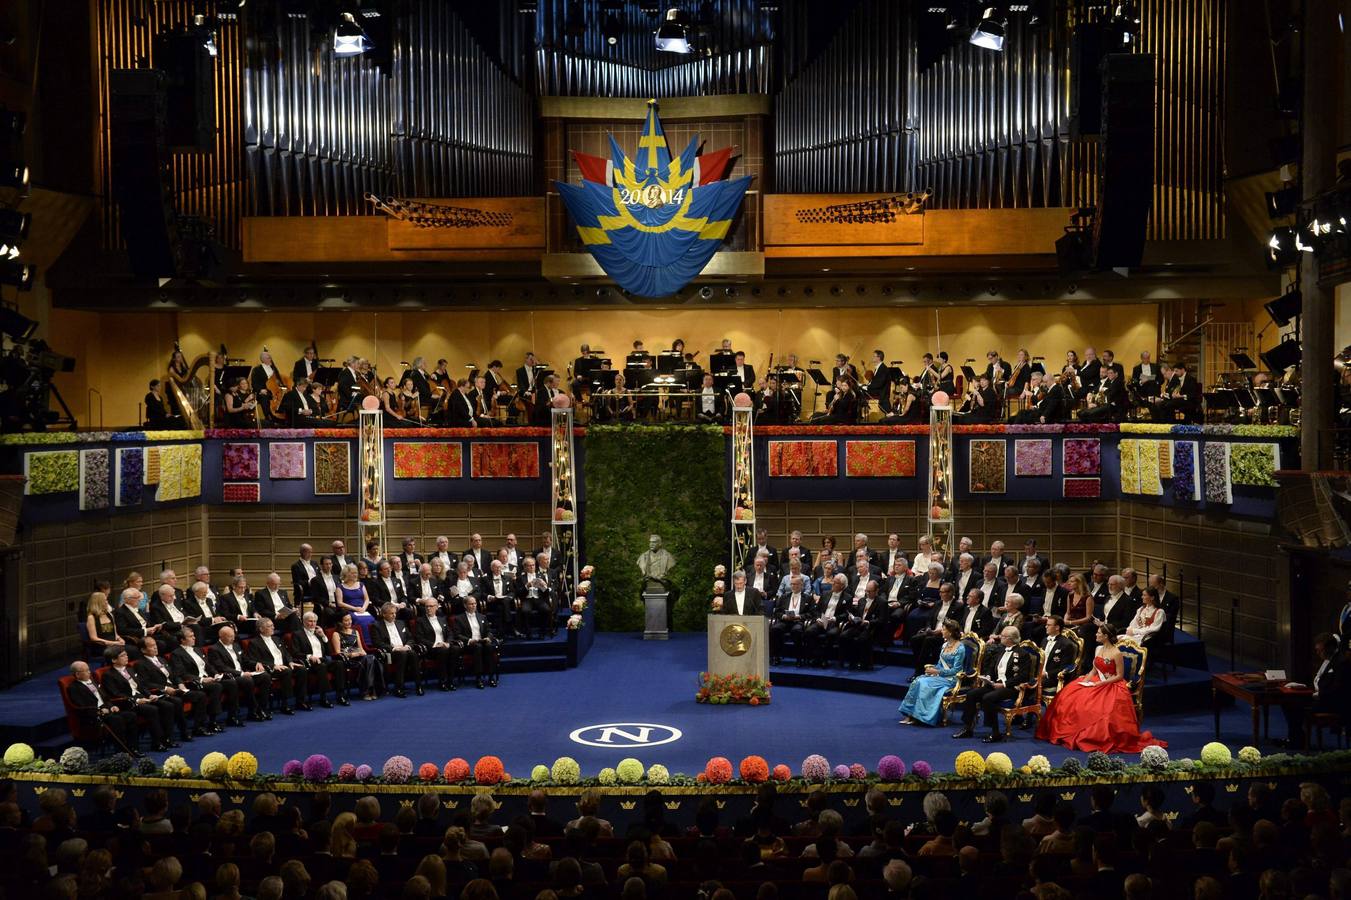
<point>924,698</point>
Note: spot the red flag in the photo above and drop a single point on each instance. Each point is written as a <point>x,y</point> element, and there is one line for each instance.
<point>712,166</point>
<point>594,168</point>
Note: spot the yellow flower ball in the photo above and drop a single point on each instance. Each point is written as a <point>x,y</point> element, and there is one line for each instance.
<point>1039,765</point>
<point>242,765</point>
<point>998,764</point>
<point>970,764</point>
<point>214,765</point>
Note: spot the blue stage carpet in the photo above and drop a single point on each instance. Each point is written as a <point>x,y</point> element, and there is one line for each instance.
<point>528,718</point>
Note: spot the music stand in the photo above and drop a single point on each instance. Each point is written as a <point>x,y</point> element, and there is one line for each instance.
<point>970,375</point>
<point>1220,400</point>
<point>1289,396</point>
<point>637,359</point>
<point>727,383</point>
<point>721,361</point>
<point>1039,368</point>
<point>585,365</point>
<point>1243,361</point>
<point>669,361</point>
<point>819,377</point>
<point>604,379</point>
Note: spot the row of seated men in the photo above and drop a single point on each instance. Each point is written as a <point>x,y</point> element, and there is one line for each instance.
<point>833,609</point>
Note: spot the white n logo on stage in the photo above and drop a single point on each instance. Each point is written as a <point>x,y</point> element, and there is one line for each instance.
<point>625,734</point>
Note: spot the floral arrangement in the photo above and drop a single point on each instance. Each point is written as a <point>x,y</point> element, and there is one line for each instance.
<point>130,475</point>
<point>1215,754</point>
<point>286,460</point>
<point>754,769</point>
<point>316,767</point>
<point>998,764</point>
<point>1148,467</point>
<point>489,770</point>
<point>840,772</point>
<point>658,774</point>
<point>606,776</point>
<point>347,772</point>
<point>74,760</point>
<point>239,462</point>
<point>588,572</point>
<point>969,764</point>
<point>723,689</point>
<point>718,770</point>
<point>456,770</point>
<point>1130,466</point>
<point>214,766</point>
<point>1219,487</point>
<point>398,769</point>
<point>1254,464</point>
<point>52,472</point>
<point>988,473</point>
<point>1154,757</point>
<point>1083,456</point>
<point>242,766</point>
<point>364,772</point>
<point>176,767</point>
<point>1038,765</point>
<point>890,768</point>
<point>94,479</point>
<point>782,772</point>
<point>428,772</point>
<point>180,476</point>
<point>565,770</point>
<point>1032,458</point>
<point>815,768</point>
<point>1186,472</point>
<point>574,622</point>
<point>539,773</point>
<point>629,771</point>
<point>1249,756</point>
<point>922,770</point>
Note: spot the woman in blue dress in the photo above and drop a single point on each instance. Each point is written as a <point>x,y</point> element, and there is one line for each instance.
<point>924,699</point>
<point>353,600</point>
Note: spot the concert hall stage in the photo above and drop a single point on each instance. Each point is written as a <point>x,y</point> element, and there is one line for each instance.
<point>626,682</point>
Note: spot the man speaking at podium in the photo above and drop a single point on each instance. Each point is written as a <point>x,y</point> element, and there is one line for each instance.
<point>744,601</point>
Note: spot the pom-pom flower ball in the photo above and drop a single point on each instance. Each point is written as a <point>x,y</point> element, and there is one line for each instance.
<point>658,774</point>
<point>19,755</point>
<point>1154,757</point>
<point>998,764</point>
<point>428,771</point>
<point>1099,762</point>
<point>1250,756</point>
<point>718,770</point>
<point>891,768</point>
<point>840,771</point>
<point>175,766</point>
<point>290,768</point>
<point>754,769</point>
<point>565,770</point>
<point>922,770</point>
<point>74,760</point>
<point>242,765</point>
<point>398,769</point>
<point>815,768</point>
<point>857,771</point>
<point>489,770</point>
<point>1071,766</point>
<point>782,772</point>
<point>606,776</point>
<point>1216,754</point>
<point>364,772</point>
<point>347,772</point>
<point>1039,765</point>
<point>214,765</point>
<point>316,767</point>
<point>970,764</point>
<point>539,773</point>
<point>456,770</point>
<point>629,771</point>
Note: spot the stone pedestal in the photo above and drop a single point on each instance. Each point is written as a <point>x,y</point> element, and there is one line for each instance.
<point>654,625</point>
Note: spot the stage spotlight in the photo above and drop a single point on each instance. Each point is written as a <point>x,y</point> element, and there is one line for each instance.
<point>14,225</point>
<point>12,123</point>
<point>1282,356</point>
<point>989,32</point>
<point>349,38</point>
<point>9,251</point>
<point>206,33</point>
<point>1285,307</point>
<point>17,275</point>
<point>673,36</point>
<point>574,23</point>
<point>1282,247</point>
<point>1282,203</point>
<point>1127,19</point>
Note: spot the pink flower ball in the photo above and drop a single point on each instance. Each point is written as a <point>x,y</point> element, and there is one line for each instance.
<point>922,769</point>
<point>742,400</point>
<point>317,768</point>
<point>856,770</point>
<point>398,769</point>
<point>347,772</point>
<point>891,768</point>
<point>718,770</point>
<point>291,768</point>
<point>841,771</point>
<point>940,398</point>
<point>562,401</point>
<point>364,772</point>
<point>815,768</point>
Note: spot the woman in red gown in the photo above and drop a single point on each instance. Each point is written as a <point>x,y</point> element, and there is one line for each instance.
<point>1096,712</point>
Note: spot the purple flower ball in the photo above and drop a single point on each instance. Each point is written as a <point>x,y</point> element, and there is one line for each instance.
<point>398,769</point>
<point>291,768</point>
<point>856,770</point>
<point>922,769</point>
<point>841,771</point>
<point>891,768</point>
<point>317,768</point>
<point>347,772</point>
<point>364,772</point>
<point>815,768</point>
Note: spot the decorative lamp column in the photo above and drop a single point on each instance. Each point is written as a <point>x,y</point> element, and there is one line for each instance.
<point>563,474</point>
<point>371,454</point>
<point>743,480</point>
<point>940,472</point>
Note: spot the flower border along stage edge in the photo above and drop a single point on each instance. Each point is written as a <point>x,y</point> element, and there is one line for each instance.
<point>750,690</point>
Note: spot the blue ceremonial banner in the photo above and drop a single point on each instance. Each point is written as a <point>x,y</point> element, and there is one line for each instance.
<point>653,222</point>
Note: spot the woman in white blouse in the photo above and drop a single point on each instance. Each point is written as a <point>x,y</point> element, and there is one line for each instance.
<point>1149,618</point>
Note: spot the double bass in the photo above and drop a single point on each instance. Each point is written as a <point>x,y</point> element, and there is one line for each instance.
<point>277,386</point>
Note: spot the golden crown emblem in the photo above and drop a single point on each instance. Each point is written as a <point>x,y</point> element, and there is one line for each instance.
<point>39,789</point>
<point>1228,789</point>
<point>893,801</point>
<point>193,798</point>
<point>281,800</point>
<point>405,804</point>
<point>802,803</point>
<point>119,794</point>
<point>853,802</point>
<point>77,792</point>
<point>1271,785</point>
<point>627,804</point>
<point>673,804</point>
<point>721,803</point>
<point>1024,798</point>
<point>1068,795</point>
<point>450,804</point>
<point>237,799</point>
<point>1171,816</point>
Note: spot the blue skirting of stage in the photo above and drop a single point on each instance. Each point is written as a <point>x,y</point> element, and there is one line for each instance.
<point>629,683</point>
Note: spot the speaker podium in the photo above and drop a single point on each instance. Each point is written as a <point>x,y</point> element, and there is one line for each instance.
<point>738,645</point>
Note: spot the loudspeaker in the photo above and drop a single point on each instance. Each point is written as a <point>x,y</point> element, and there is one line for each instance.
<point>1285,307</point>
<point>1090,43</point>
<point>138,124</point>
<point>1125,160</point>
<point>190,90</point>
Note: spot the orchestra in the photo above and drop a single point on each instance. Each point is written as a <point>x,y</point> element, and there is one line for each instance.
<point>671,386</point>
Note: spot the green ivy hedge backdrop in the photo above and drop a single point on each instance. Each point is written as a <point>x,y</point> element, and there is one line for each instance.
<point>643,480</point>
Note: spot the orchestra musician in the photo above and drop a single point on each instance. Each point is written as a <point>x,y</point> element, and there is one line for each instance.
<point>259,376</point>
<point>525,376</point>
<point>1041,405</point>
<point>1144,381</point>
<point>1108,402</point>
<point>582,367</point>
<point>743,372</point>
<point>947,376</point>
<point>1020,376</point>
<point>297,406</point>
<point>349,385</point>
<point>1182,393</point>
<point>157,415</point>
<point>460,408</point>
<point>497,383</point>
<point>616,404</point>
<point>906,407</point>
<point>843,407</point>
<point>240,406</point>
<point>710,406</point>
<point>1090,373</point>
<point>996,370</point>
<point>544,400</point>
<point>306,366</point>
<point>421,382</point>
<point>880,384</point>
<point>484,399</point>
<point>982,404</point>
<point>394,405</point>
<point>1109,362</point>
